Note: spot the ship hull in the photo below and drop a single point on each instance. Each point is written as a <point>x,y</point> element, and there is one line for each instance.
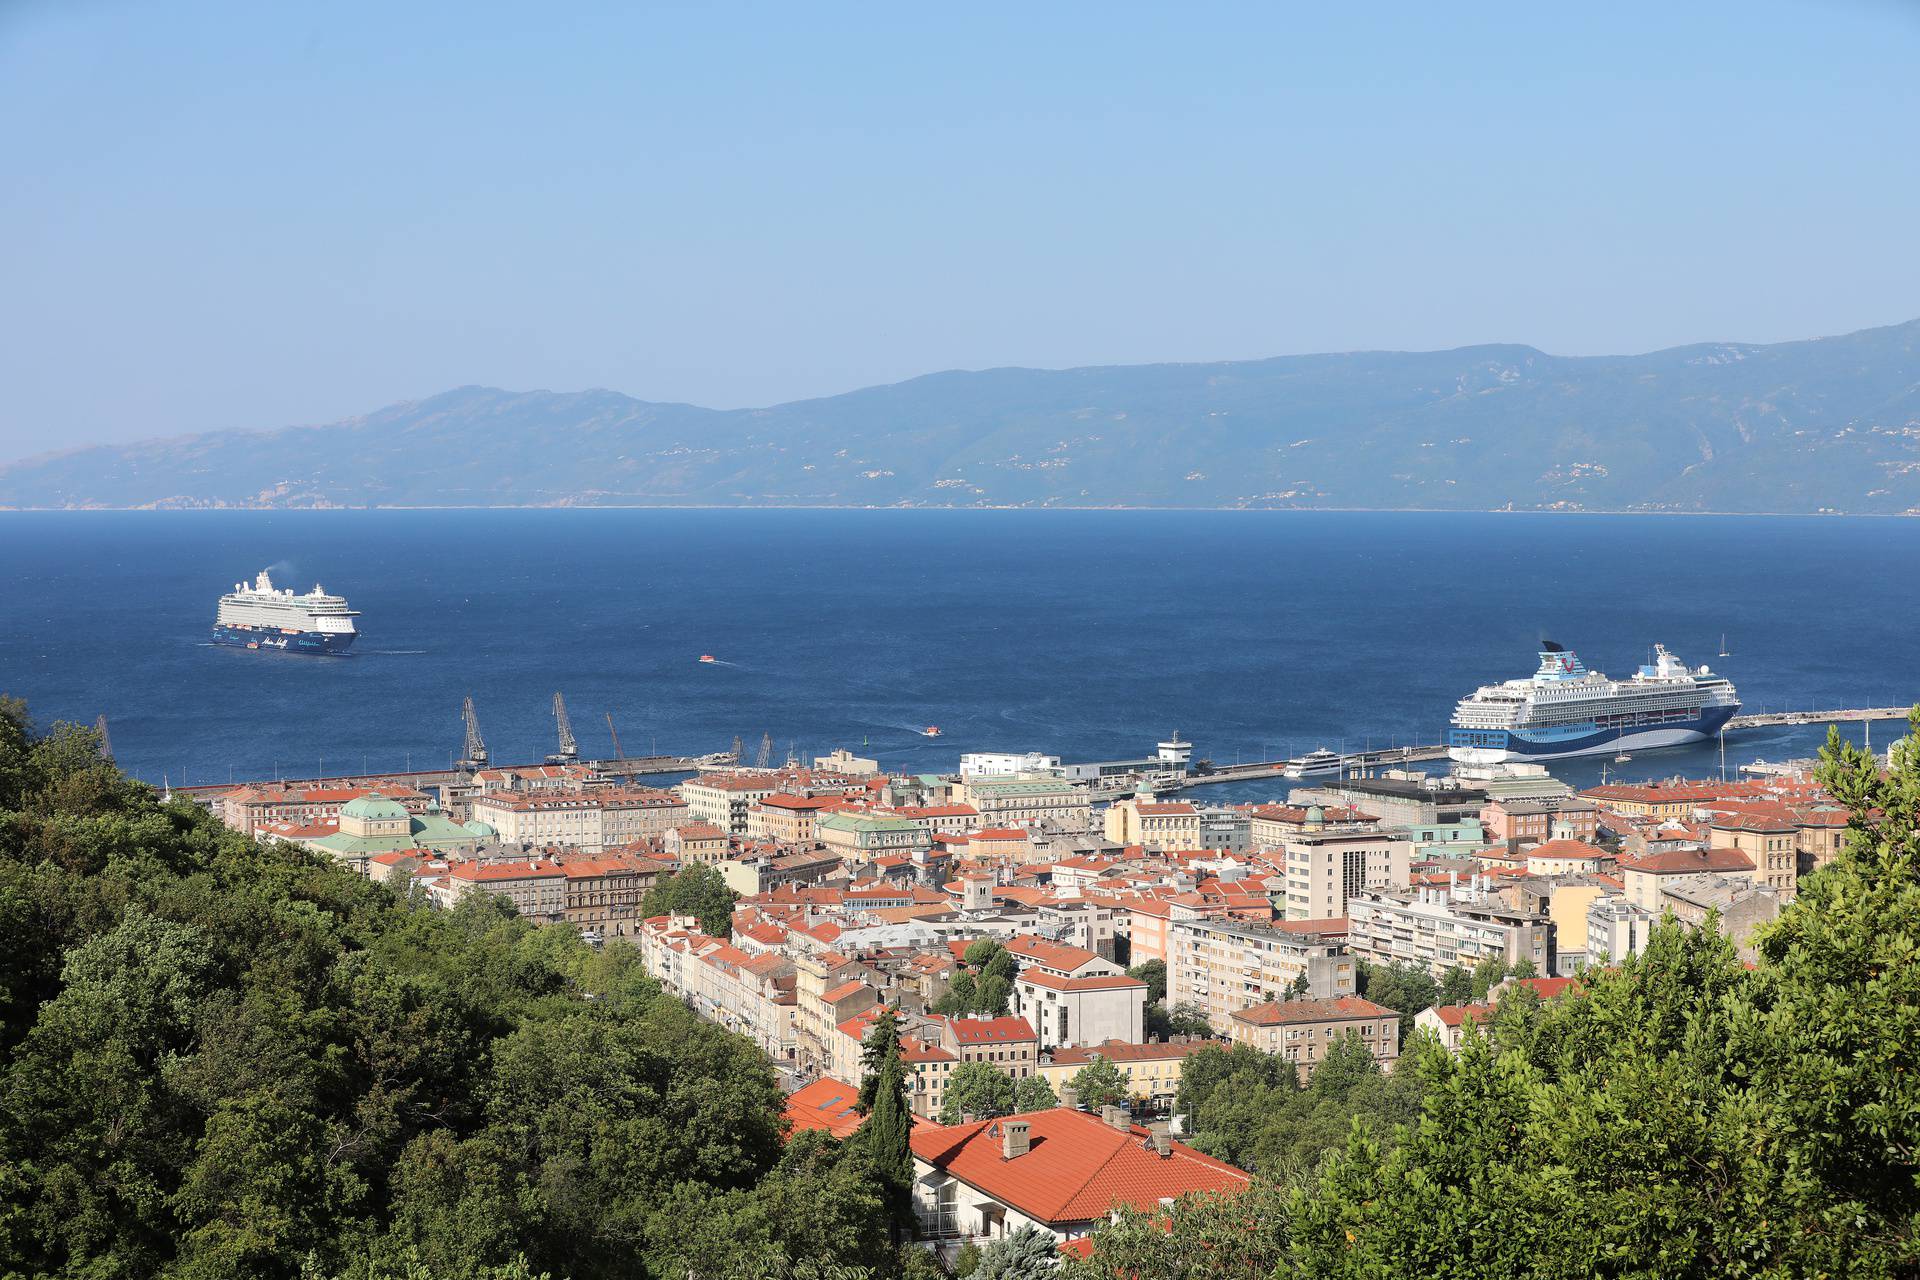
<point>1505,746</point>
<point>319,644</point>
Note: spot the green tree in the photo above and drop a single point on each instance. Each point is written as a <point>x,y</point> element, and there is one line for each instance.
<point>699,891</point>
<point>977,1089</point>
<point>1100,1083</point>
<point>880,1046</point>
<point>1026,1253</point>
<point>1200,1237</point>
<point>993,996</point>
<point>1487,974</point>
<point>1456,986</point>
<point>1404,988</point>
<point>885,1137</point>
<point>1034,1094</point>
<point>1154,974</point>
<point>958,999</point>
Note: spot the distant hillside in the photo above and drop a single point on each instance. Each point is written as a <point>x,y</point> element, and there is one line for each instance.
<point>1829,424</point>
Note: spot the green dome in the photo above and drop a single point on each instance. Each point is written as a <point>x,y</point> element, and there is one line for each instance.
<point>374,809</point>
<point>481,829</point>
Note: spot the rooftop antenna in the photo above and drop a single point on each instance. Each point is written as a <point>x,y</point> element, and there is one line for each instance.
<point>569,751</point>
<point>475,756</point>
<point>106,739</point>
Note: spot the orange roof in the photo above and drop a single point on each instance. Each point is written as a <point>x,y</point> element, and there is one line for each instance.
<point>1455,1014</point>
<point>1673,862</point>
<point>1126,1051</point>
<point>842,991</point>
<point>1567,849</point>
<point>1276,1013</point>
<point>990,1030</point>
<point>825,1104</point>
<point>1054,955</point>
<point>1097,982</point>
<point>1076,1168</point>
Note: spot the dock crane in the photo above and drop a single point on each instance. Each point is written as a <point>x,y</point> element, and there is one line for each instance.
<point>475,756</point>
<point>569,752</point>
<point>106,739</point>
<point>618,754</point>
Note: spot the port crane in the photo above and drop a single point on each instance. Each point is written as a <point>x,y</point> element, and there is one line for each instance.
<point>618,754</point>
<point>106,739</point>
<point>569,752</point>
<point>765,757</point>
<point>475,756</point>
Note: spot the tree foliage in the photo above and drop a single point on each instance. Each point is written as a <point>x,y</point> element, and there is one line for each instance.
<point>977,1089</point>
<point>1026,1253</point>
<point>985,987</point>
<point>1100,1084</point>
<point>699,891</point>
<point>225,1059</point>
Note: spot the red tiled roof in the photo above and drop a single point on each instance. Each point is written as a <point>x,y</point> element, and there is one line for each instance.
<point>1673,862</point>
<point>1455,1014</point>
<point>842,991</point>
<point>825,1104</point>
<point>1076,1169</point>
<point>1276,1013</point>
<point>1097,982</point>
<point>1567,849</point>
<point>1126,1051</point>
<point>990,1030</point>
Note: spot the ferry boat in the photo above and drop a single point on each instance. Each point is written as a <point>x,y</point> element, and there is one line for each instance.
<point>1565,710</point>
<point>931,731</point>
<point>262,617</point>
<point>707,657</point>
<point>1318,763</point>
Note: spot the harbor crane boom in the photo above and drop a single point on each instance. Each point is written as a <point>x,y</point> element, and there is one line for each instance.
<point>569,752</point>
<point>617,753</point>
<point>475,756</point>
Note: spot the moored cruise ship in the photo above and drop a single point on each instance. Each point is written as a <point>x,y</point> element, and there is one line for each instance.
<point>1567,710</point>
<point>261,617</point>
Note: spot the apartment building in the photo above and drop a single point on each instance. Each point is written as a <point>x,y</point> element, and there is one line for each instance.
<point>536,887</point>
<point>1223,966</point>
<point>1152,1070</point>
<point>1327,865</point>
<point>1770,841</point>
<point>1304,1031</point>
<point>726,799</point>
<point>789,818</point>
<point>1008,1043</point>
<point>1439,928</point>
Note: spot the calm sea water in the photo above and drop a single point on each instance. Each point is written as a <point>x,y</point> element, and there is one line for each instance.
<point>1086,634</point>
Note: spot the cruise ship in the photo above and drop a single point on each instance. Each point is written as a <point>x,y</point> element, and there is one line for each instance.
<point>1567,710</point>
<point>261,617</point>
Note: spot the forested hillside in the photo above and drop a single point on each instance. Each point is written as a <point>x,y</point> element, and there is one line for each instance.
<point>221,1059</point>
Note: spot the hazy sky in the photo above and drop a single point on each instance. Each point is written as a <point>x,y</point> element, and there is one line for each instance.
<point>251,214</point>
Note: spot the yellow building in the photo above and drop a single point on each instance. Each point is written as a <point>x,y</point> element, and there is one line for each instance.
<point>1155,825</point>
<point>1152,1070</point>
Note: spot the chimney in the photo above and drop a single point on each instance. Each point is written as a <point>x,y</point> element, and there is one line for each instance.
<point>1115,1117</point>
<point>1160,1139</point>
<point>1014,1139</point>
<point>1069,1097</point>
<point>967,1117</point>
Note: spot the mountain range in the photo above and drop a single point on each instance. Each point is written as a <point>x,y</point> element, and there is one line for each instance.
<point>1824,425</point>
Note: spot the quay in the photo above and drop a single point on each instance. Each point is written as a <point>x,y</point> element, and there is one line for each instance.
<point>421,779</point>
<point>1816,717</point>
<point>1359,761</point>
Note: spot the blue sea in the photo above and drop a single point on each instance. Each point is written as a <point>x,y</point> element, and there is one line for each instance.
<point>1088,634</point>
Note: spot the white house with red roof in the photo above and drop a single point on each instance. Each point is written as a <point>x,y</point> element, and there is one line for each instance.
<point>1061,1170</point>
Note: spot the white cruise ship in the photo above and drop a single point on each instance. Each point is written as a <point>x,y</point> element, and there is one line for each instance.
<point>1566,710</point>
<point>262,617</point>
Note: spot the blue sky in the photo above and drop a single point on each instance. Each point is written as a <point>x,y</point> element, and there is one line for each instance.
<point>220,215</point>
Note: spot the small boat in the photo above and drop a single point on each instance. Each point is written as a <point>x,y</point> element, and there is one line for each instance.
<point>931,731</point>
<point>707,657</point>
<point>1622,758</point>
